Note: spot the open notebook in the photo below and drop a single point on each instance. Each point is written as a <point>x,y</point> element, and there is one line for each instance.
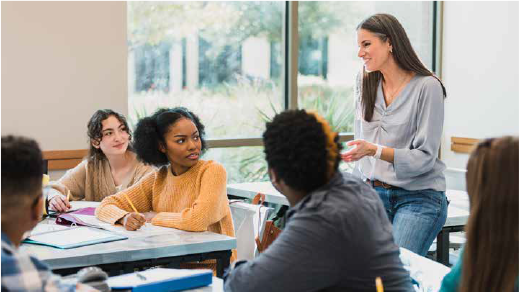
<point>71,237</point>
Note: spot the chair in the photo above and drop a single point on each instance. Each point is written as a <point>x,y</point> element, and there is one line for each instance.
<point>249,222</point>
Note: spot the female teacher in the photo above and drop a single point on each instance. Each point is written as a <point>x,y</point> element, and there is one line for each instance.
<point>398,127</point>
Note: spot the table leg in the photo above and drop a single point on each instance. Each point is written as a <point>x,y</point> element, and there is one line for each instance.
<point>223,263</point>
<point>442,247</point>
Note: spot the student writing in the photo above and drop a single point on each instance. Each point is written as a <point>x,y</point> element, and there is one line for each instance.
<point>111,164</point>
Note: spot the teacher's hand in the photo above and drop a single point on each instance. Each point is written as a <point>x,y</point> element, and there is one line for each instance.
<point>362,149</point>
<point>133,221</point>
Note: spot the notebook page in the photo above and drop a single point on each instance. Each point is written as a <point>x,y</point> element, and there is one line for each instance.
<point>44,228</point>
<point>71,236</point>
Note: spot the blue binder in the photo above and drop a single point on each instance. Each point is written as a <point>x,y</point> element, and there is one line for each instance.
<point>162,280</point>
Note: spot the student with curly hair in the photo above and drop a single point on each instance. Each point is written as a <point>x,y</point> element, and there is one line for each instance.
<point>337,236</point>
<point>185,192</point>
<point>489,261</point>
<point>111,164</point>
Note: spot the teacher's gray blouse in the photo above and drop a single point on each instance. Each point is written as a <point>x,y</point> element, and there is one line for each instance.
<point>412,124</point>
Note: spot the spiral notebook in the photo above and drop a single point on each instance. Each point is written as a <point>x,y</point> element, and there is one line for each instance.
<point>72,237</point>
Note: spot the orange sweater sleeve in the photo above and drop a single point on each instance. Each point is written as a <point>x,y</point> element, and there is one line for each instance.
<point>114,207</point>
<point>209,207</point>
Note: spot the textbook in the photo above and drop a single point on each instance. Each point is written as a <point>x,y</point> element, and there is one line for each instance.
<point>161,279</point>
<point>72,237</point>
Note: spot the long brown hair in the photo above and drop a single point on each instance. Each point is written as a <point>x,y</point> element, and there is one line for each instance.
<point>490,259</point>
<point>95,133</point>
<point>387,27</point>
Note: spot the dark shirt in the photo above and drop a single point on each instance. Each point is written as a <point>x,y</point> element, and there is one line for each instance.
<point>337,238</point>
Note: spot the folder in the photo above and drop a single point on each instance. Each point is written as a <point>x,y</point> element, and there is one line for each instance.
<point>73,237</point>
<point>161,279</point>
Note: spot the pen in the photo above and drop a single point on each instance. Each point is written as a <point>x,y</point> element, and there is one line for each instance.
<point>378,283</point>
<point>131,204</point>
<point>140,276</point>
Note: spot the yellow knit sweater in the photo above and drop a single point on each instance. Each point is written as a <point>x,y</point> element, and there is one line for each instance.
<point>193,201</point>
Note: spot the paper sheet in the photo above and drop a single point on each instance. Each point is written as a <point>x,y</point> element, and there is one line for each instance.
<point>147,230</point>
<point>44,228</point>
<point>71,236</point>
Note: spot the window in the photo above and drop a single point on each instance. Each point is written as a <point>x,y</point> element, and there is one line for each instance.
<point>225,61</point>
<point>219,59</point>
<point>328,59</point>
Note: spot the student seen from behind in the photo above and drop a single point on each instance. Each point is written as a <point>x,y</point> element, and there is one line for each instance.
<point>22,206</point>
<point>337,236</point>
<point>490,257</point>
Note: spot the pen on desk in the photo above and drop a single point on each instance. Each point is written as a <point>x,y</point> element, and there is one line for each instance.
<point>140,276</point>
<point>378,283</point>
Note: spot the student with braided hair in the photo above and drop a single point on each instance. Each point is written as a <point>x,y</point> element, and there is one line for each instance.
<point>337,236</point>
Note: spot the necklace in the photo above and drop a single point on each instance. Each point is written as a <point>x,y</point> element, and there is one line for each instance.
<point>391,96</point>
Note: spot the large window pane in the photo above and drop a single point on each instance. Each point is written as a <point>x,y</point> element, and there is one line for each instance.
<point>328,59</point>
<point>222,60</point>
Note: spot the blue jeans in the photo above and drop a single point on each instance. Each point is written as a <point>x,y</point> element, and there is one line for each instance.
<point>417,216</point>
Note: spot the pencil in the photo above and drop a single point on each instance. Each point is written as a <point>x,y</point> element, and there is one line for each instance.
<point>378,283</point>
<point>68,195</point>
<point>131,204</point>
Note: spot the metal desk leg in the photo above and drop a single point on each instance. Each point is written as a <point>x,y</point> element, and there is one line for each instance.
<point>223,263</point>
<point>442,247</point>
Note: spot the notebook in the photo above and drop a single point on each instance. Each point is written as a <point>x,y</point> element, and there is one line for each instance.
<point>161,279</point>
<point>72,237</point>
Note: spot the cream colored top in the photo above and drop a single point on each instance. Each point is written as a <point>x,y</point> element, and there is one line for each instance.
<point>91,182</point>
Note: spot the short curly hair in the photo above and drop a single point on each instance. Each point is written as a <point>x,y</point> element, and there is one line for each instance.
<point>296,149</point>
<point>150,133</point>
<point>22,170</point>
<point>95,132</point>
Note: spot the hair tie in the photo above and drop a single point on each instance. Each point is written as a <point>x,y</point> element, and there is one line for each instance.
<point>331,147</point>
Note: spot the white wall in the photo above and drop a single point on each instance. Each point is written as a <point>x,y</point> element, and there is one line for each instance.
<point>480,70</point>
<point>61,61</point>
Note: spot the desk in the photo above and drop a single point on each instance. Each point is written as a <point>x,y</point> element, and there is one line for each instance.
<point>457,212</point>
<point>120,257</point>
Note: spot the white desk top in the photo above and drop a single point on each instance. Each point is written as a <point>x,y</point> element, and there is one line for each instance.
<point>457,213</point>
<point>155,244</point>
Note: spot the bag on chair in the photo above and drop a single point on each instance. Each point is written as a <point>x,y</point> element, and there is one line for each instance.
<point>271,232</point>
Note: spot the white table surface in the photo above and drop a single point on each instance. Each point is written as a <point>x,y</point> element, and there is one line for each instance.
<point>457,212</point>
<point>141,245</point>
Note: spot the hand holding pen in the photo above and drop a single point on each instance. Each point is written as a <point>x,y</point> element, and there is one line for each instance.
<point>60,203</point>
<point>134,220</point>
